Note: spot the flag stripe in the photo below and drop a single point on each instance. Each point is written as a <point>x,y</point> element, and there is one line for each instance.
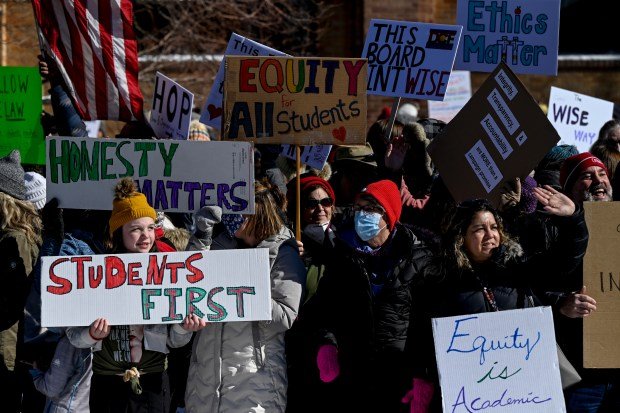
<point>131,54</point>
<point>96,51</point>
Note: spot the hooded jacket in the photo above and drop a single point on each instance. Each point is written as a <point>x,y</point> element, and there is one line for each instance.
<point>240,367</point>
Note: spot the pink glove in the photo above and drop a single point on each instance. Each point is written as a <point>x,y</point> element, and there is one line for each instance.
<point>327,361</point>
<point>419,398</point>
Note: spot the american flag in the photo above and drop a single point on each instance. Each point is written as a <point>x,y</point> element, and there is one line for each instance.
<point>95,48</point>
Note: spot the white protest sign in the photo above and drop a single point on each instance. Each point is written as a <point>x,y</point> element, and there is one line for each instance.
<point>237,46</point>
<point>505,359</point>
<point>523,34</point>
<point>171,112</point>
<point>92,128</point>
<point>578,118</point>
<point>457,95</point>
<point>156,288</point>
<point>313,156</point>
<point>410,60</point>
<point>175,176</point>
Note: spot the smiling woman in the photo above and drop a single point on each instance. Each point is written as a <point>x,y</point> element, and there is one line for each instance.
<point>486,270</point>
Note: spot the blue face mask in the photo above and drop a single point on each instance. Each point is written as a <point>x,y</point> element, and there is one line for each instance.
<point>367,224</point>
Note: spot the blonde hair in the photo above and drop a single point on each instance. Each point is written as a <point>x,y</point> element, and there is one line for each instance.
<point>270,205</point>
<point>20,216</point>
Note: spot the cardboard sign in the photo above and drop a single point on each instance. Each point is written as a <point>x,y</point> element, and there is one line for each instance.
<point>578,118</point>
<point>523,34</point>
<point>499,135</point>
<point>303,101</point>
<point>410,60</point>
<point>313,156</point>
<point>601,276</point>
<point>457,95</point>
<point>156,288</point>
<point>175,176</point>
<point>20,114</point>
<point>171,112</point>
<point>500,361</point>
<point>237,46</point>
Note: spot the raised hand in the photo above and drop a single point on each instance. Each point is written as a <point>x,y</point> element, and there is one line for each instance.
<point>555,202</point>
<point>395,153</point>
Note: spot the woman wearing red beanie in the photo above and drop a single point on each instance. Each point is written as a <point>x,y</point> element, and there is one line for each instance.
<point>369,310</point>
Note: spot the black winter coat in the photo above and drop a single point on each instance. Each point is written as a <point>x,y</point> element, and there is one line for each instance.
<point>511,274</point>
<point>377,335</point>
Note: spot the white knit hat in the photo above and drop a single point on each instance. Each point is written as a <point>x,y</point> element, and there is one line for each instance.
<point>35,189</point>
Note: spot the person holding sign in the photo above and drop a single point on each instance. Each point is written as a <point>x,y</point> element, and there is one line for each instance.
<point>129,363</point>
<point>241,366</point>
<point>370,318</point>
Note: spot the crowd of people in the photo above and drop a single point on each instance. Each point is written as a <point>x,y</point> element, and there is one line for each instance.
<point>384,248</point>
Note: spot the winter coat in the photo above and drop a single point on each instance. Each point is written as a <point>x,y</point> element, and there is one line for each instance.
<point>70,245</point>
<point>18,257</point>
<point>377,333</point>
<point>240,367</point>
<point>511,274</point>
<point>66,384</point>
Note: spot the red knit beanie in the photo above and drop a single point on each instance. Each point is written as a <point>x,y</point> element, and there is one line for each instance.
<point>573,166</point>
<point>308,182</point>
<point>388,195</point>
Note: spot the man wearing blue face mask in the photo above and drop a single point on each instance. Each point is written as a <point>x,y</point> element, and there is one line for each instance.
<point>374,325</point>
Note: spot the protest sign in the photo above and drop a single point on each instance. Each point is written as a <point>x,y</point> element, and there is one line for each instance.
<point>578,118</point>
<point>523,34</point>
<point>313,156</point>
<point>171,111</point>
<point>175,176</point>
<point>302,101</point>
<point>601,276</point>
<point>504,360</point>
<point>499,135</point>
<point>156,288</point>
<point>410,60</point>
<point>458,94</point>
<point>20,114</point>
<point>237,46</point>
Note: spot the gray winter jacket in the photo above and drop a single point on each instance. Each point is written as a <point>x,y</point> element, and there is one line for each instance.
<point>66,384</point>
<point>240,367</point>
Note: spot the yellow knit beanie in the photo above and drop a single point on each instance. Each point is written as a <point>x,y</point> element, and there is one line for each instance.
<point>129,204</point>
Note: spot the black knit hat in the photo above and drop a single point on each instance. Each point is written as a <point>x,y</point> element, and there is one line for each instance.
<point>12,176</point>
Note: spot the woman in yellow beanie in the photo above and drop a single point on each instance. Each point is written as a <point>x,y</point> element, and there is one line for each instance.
<point>134,380</point>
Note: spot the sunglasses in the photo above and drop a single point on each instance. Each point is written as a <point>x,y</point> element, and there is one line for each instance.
<point>325,202</point>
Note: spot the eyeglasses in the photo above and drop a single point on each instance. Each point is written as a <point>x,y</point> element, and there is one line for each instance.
<point>325,202</point>
<point>369,208</point>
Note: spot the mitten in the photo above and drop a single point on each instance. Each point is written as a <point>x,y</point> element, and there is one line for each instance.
<point>327,362</point>
<point>420,396</point>
<point>205,220</point>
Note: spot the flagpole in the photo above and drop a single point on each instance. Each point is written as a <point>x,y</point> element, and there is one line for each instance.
<point>298,196</point>
<point>390,125</point>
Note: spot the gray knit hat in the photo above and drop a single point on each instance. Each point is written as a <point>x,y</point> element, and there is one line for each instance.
<point>35,189</point>
<point>12,176</point>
